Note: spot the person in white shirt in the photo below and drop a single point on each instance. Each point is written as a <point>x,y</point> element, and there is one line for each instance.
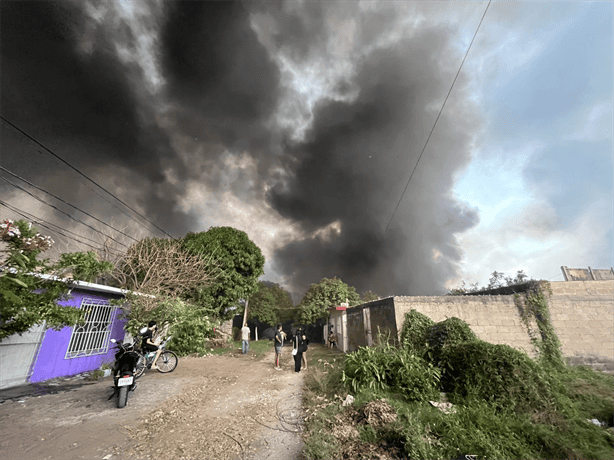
<point>245,338</point>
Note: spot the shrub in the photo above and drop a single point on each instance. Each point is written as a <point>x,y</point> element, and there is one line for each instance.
<point>414,330</point>
<point>498,374</point>
<point>191,331</point>
<point>386,367</point>
<point>451,332</point>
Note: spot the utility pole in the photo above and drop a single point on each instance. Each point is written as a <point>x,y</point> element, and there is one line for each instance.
<point>245,312</point>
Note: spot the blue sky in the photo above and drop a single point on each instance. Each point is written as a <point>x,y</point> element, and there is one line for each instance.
<point>544,169</point>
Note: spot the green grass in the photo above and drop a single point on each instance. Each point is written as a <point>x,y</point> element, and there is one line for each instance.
<point>258,348</point>
<point>556,427</point>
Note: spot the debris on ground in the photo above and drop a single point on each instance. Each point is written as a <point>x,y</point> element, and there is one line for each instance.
<point>444,407</point>
<point>378,413</point>
<point>349,399</point>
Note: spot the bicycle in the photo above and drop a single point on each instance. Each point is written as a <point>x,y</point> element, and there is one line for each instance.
<point>167,361</point>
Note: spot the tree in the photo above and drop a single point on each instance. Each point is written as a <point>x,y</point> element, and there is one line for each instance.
<point>320,297</point>
<point>240,264</point>
<point>84,266</point>
<point>270,304</point>
<point>369,296</point>
<point>159,273</point>
<point>26,299</point>
<point>496,280</point>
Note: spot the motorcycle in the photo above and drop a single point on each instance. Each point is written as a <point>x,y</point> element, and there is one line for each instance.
<point>126,359</point>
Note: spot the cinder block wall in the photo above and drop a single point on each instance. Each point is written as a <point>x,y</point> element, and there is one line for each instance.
<point>582,313</point>
<point>494,319</point>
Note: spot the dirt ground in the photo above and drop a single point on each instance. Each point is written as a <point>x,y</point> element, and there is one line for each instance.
<point>217,407</point>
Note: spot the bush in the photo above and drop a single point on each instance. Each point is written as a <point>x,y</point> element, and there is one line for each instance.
<point>414,331</point>
<point>448,333</point>
<point>386,367</point>
<point>498,374</point>
<point>191,333</point>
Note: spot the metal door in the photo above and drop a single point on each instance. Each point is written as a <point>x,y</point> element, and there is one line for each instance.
<point>17,353</point>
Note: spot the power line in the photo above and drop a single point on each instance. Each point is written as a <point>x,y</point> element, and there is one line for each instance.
<point>80,173</point>
<point>42,223</point>
<point>56,228</point>
<point>437,119</point>
<point>111,203</point>
<point>67,203</point>
<point>58,209</point>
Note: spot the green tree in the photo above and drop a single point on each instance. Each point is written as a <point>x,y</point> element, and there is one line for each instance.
<point>84,266</point>
<point>496,280</point>
<point>320,297</point>
<point>240,263</point>
<point>369,296</point>
<point>25,299</point>
<point>271,304</point>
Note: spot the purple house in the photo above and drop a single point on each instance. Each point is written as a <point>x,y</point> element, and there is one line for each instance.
<point>41,354</point>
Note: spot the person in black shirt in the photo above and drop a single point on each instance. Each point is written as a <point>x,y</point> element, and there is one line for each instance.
<point>300,344</point>
<point>149,344</point>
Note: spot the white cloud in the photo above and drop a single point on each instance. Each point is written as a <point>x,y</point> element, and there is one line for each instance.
<point>527,241</point>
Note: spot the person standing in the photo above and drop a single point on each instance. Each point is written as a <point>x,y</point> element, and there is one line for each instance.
<point>279,343</point>
<point>306,346</point>
<point>300,345</point>
<point>245,338</point>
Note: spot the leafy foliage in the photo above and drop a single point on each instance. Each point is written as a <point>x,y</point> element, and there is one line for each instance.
<point>327,293</point>
<point>384,367</point>
<point>447,333</point>
<point>499,374</point>
<point>190,325</point>
<point>84,266</point>
<point>269,304</point>
<point>240,263</point>
<point>535,305</point>
<point>497,280</point>
<point>369,296</point>
<point>414,332</point>
<point>27,300</point>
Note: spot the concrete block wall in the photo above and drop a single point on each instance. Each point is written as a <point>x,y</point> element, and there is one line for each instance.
<point>582,314</point>
<point>494,319</point>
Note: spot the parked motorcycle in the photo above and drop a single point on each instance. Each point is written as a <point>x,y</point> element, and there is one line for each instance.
<point>126,359</point>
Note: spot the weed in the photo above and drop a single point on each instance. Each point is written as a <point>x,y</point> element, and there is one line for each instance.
<point>383,367</point>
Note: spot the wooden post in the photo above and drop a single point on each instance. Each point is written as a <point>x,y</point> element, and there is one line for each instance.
<point>256,328</point>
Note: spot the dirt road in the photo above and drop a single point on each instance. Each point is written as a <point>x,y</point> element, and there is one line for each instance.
<point>218,407</point>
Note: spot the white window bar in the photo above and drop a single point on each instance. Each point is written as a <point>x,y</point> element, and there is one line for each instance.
<point>92,338</point>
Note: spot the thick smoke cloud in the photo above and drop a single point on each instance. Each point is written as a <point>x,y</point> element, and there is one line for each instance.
<point>328,158</point>
<point>353,166</point>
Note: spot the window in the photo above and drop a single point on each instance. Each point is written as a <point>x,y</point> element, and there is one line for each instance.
<point>92,338</point>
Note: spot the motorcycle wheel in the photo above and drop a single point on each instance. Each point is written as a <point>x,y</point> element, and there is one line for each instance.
<point>122,397</point>
<point>167,362</point>
<point>140,367</point>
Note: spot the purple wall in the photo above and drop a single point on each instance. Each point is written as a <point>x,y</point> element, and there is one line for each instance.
<point>51,361</point>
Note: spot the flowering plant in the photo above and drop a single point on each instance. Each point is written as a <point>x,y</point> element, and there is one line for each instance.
<point>9,231</point>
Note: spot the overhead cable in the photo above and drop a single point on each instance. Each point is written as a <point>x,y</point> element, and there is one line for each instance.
<point>80,173</point>
<point>437,119</point>
<point>53,227</point>
<point>58,209</point>
<point>44,223</point>
<point>67,203</point>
